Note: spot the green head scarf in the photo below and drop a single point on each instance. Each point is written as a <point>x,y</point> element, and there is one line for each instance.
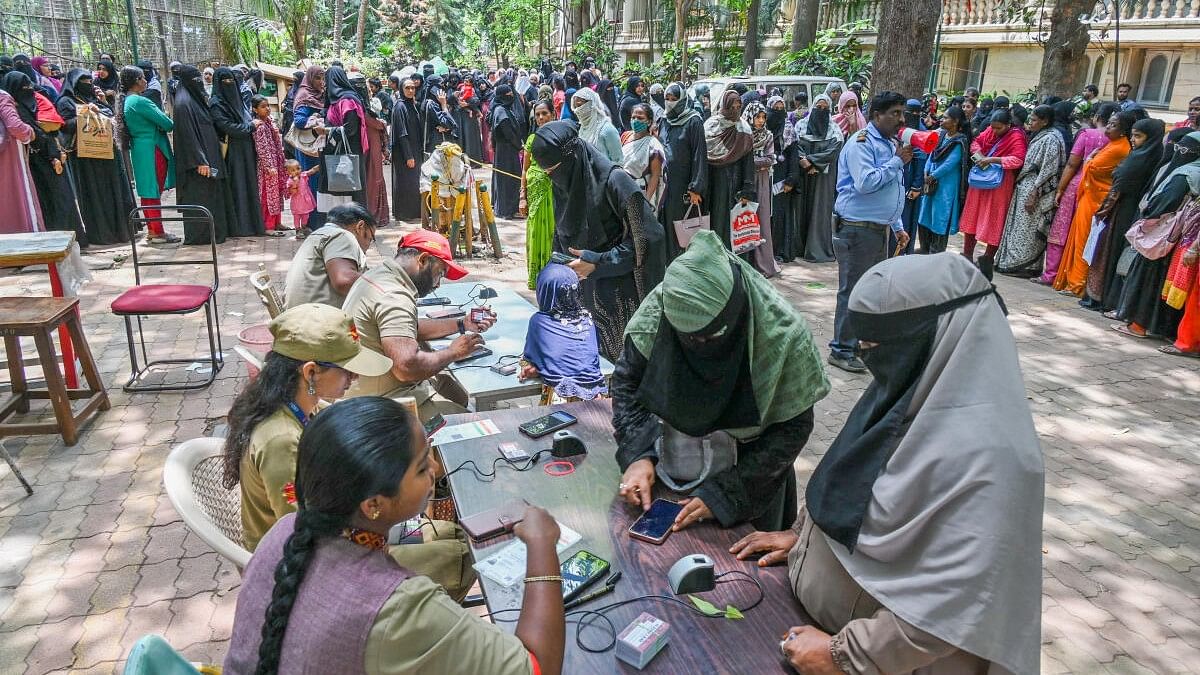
<point>788,377</point>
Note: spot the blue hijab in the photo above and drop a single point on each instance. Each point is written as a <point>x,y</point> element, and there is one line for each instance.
<point>561,342</point>
<point>566,109</point>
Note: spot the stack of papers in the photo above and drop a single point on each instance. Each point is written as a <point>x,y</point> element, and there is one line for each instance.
<point>507,565</point>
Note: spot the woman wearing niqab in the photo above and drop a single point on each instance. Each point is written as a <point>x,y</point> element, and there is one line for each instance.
<point>345,132</point>
<point>603,218</point>
<point>814,179</point>
<point>105,198</point>
<point>508,125</point>
<point>235,127</point>
<point>200,172</point>
<point>716,348</point>
<point>682,132</point>
<point>880,557</point>
<point>47,162</point>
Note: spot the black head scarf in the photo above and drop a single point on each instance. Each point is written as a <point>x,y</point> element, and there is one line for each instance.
<point>818,122</point>
<point>1064,113</point>
<point>608,95</point>
<point>22,64</point>
<point>1001,103</point>
<point>109,82</point>
<point>196,140</point>
<point>81,92</point>
<point>21,87</point>
<point>6,64</point>
<point>227,96</point>
<point>1132,176</point>
<point>338,87</point>
<point>148,69</point>
<point>580,177</point>
<point>631,86</point>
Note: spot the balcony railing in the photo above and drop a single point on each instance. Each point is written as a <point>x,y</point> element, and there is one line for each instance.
<point>638,31</point>
<point>990,13</point>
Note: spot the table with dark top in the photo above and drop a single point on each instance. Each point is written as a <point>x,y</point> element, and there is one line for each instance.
<point>587,502</point>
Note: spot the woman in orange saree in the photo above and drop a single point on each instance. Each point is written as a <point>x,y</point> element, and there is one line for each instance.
<point>1093,190</point>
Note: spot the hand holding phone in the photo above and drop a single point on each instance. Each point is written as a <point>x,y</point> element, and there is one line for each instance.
<point>654,525</point>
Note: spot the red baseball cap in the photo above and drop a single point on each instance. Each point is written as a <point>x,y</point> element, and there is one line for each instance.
<point>435,245</point>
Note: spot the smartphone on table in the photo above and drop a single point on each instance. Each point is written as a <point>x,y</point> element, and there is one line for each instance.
<point>580,571</point>
<point>655,524</point>
<point>548,424</point>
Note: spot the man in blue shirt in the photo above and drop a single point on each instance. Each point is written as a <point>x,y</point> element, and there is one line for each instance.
<point>870,201</point>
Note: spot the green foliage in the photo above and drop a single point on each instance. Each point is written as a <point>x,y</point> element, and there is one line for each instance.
<point>668,67</point>
<point>835,53</point>
<point>597,42</point>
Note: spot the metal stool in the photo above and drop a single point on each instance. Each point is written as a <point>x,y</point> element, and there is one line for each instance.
<point>38,318</point>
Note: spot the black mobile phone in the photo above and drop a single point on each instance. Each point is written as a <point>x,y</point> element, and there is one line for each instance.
<point>580,571</point>
<point>547,424</point>
<point>432,301</point>
<point>479,353</point>
<point>655,525</point>
<point>434,425</point>
<point>451,313</point>
<point>562,258</point>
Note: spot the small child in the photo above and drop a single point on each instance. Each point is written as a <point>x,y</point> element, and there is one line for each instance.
<point>300,195</point>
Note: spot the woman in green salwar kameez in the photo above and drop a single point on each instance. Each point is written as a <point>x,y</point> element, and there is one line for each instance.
<point>539,195</point>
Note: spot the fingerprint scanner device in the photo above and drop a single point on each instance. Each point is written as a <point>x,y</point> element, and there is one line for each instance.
<point>692,574</point>
<point>642,640</point>
<point>567,444</point>
<point>406,532</point>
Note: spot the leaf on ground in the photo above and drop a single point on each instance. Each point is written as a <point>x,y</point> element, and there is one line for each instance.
<point>814,284</point>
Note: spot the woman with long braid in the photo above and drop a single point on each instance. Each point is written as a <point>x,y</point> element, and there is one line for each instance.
<point>320,595</point>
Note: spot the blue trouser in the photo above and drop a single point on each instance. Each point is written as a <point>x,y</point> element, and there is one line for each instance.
<point>857,247</point>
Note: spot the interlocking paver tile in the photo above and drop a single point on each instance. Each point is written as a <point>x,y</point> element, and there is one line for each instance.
<point>98,557</point>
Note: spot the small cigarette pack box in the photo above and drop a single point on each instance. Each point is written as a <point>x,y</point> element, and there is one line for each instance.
<point>642,640</point>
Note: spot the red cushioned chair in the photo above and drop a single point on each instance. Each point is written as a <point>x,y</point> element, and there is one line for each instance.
<point>152,299</point>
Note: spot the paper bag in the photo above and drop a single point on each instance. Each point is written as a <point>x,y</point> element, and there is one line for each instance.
<point>93,135</point>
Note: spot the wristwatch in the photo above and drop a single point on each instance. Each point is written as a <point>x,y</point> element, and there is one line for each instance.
<point>462,327</point>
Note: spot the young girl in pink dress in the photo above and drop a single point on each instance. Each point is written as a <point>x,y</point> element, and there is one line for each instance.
<point>301,196</point>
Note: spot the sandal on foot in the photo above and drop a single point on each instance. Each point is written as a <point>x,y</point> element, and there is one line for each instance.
<point>1123,329</point>
<point>1111,314</point>
<point>1176,351</point>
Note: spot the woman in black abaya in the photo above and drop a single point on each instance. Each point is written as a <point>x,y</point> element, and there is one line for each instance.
<point>105,198</point>
<point>47,162</point>
<point>407,155</point>
<point>508,128</point>
<point>345,133</point>
<point>235,127</point>
<point>602,217</point>
<point>682,132</point>
<point>200,174</point>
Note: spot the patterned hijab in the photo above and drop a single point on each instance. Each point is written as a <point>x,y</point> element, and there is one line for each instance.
<point>762,137</point>
<point>843,120</point>
<point>726,134</point>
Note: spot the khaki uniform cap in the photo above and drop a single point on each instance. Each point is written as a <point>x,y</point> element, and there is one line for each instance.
<point>316,332</point>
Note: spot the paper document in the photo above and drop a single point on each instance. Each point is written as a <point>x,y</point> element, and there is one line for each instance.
<point>507,565</point>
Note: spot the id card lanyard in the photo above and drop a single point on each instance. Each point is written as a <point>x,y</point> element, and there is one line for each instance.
<point>298,413</point>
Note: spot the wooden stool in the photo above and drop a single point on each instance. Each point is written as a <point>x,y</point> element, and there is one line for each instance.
<point>37,318</point>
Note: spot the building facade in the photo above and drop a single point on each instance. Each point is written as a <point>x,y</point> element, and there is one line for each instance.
<point>984,47</point>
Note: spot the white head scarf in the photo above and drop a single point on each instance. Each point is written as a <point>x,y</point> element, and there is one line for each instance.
<point>592,114</point>
<point>951,541</point>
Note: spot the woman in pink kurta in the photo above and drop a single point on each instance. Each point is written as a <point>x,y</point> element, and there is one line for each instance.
<point>21,212</point>
<point>985,211</point>
<point>272,175</point>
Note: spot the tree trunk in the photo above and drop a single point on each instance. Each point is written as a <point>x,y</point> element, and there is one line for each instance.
<point>804,23</point>
<point>338,8</point>
<point>1064,63</point>
<point>907,30</point>
<point>360,34</point>
<point>751,51</point>
<point>682,7</point>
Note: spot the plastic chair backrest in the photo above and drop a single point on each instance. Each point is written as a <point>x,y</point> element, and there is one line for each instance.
<point>183,213</point>
<point>192,476</point>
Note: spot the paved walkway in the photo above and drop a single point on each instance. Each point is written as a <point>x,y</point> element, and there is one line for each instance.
<point>97,557</point>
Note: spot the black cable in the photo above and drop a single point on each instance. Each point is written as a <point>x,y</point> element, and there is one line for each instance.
<point>499,362</point>
<point>483,475</point>
<point>585,618</point>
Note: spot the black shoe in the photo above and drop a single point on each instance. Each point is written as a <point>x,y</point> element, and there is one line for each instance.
<point>852,364</point>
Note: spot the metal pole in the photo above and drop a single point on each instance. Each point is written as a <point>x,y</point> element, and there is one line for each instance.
<point>1117,52</point>
<point>132,29</point>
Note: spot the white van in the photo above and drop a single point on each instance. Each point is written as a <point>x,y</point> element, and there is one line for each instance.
<point>791,85</point>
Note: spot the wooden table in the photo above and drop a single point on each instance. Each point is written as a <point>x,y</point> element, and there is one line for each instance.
<point>506,339</point>
<point>44,248</point>
<point>587,502</point>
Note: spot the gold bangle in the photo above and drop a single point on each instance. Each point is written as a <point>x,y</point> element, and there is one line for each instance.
<point>554,578</point>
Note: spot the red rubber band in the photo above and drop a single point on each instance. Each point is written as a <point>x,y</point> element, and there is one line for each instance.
<point>558,469</point>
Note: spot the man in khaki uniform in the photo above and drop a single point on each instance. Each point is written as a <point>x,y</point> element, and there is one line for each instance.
<point>331,259</point>
<point>383,304</point>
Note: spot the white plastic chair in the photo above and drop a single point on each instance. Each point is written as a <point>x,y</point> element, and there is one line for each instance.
<point>192,476</point>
